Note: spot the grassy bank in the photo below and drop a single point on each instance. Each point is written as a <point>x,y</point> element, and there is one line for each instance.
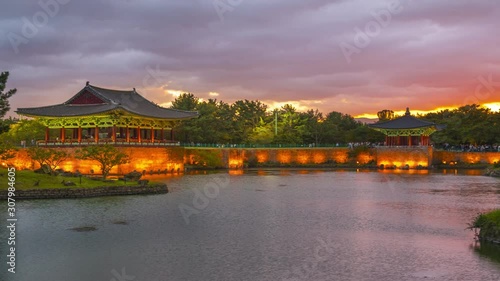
<point>26,179</point>
<point>489,225</point>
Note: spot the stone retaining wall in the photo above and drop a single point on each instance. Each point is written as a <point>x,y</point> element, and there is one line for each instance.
<point>60,193</point>
<point>172,159</point>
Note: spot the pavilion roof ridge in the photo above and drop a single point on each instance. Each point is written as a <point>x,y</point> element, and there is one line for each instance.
<point>106,100</point>
<point>95,88</point>
<point>406,121</point>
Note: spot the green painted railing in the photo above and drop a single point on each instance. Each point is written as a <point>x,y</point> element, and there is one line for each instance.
<point>216,145</point>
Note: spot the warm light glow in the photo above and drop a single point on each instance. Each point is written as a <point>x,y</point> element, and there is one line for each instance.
<point>364,158</point>
<point>303,157</point>
<point>319,157</point>
<point>473,158</point>
<point>284,156</point>
<point>300,105</point>
<point>235,163</point>
<point>340,156</point>
<point>235,172</point>
<point>494,106</point>
<point>213,94</point>
<point>174,93</point>
<point>262,156</point>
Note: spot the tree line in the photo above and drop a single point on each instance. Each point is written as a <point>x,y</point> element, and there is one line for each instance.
<point>250,122</point>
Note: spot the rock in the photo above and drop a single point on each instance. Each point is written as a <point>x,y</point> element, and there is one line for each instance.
<point>143,182</point>
<point>69,183</point>
<point>133,176</point>
<point>84,228</point>
<point>492,172</point>
<point>45,169</point>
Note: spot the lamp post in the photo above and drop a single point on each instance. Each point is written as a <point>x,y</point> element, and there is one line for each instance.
<point>276,122</point>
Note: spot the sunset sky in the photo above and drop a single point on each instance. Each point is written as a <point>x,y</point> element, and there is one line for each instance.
<point>356,56</point>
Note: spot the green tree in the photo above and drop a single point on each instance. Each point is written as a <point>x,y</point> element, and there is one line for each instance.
<point>46,156</point>
<point>469,124</point>
<point>107,156</point>
<point>187,130</point>
<point>25,130</point>
<point>385,115</point>
<point>185,101</point>
<point>340,126</point>
<point>247,116</point>
<point>365,134</point>
<point>7,151</point>
<point>291,126</point>
<point>4,96</point>
<point>263,133</point>
<point>6,123</point>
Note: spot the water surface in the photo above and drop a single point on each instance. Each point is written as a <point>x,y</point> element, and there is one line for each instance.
<point>266,225</point>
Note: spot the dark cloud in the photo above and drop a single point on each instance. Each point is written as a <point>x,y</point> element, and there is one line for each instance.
<point>429,54</point>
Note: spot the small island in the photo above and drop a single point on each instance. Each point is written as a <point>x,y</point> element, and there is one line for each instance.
<point>489,226</point>
<point>30,185</point>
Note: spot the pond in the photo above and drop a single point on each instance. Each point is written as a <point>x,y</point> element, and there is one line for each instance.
<point>266,225</point>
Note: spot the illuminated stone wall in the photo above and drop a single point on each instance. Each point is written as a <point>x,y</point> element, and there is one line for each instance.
<point>446,157</point>
<point>173,159</point>
<point>236,158</point>
<point>399,157</point>
<point>141,159</point>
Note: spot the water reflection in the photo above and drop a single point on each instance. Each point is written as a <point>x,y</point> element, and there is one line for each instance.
<point>487,250</point>
<point>268,224</point>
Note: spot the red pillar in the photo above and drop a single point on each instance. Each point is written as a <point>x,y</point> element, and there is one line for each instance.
<point>79,134</point>
<point>139,134</point>
<point>96,134</point>
<point>113,132</point>
<point>47,134</point>
<point>409,140</point>
<point>63,134</point>
<point>152,135</point>
<point>127,134</point>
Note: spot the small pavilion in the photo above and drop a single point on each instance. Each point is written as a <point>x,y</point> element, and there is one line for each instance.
<point>406,130</point>
<point>97,115</point>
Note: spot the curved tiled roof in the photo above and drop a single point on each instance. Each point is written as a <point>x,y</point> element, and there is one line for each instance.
<point>129,101</point>
<point>405,122</point>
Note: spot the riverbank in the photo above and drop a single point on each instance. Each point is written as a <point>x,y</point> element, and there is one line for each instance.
<point>67,193</point>
<point>489,226</point>
<point>30,185</point>
<point>492,172</point>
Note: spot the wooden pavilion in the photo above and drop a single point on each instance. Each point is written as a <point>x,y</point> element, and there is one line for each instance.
<point>406,130</point>
<point>97,115</point>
